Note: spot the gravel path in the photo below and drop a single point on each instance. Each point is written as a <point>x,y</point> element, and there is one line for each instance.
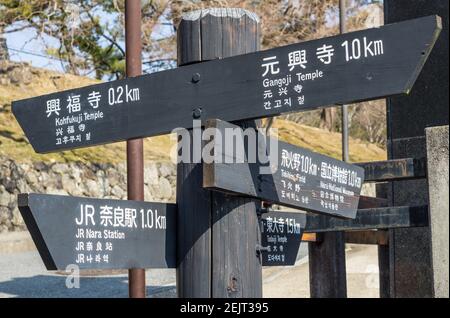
<point>24,275</point>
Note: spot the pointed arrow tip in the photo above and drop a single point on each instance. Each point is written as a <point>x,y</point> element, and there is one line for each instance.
<point>22,199</point>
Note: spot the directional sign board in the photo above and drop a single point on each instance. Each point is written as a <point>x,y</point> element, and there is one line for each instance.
<point>299,178</point>
<point>281,235</point>
<point>351,67</point>
<point>100,233</point>
<point>281,231</point>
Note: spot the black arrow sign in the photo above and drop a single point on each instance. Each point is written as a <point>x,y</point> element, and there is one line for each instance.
<point>118,234</point>
<point>281,235</point>
<point>297,177</point>
<point>100,233</point>
<point>281,231</point>
<point>352,67</point>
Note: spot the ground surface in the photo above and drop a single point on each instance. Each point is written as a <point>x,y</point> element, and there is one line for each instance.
<point>24,275</point>
<point>362,276</point>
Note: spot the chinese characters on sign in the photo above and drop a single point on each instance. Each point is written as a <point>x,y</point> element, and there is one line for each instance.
<point>352,67</point>
<point>336,181</point>
<point>98,227</point>
<point>73,115</point>
<point>100,233</point>
<point>298,178</point>
<point>287,91</point>
<point>281,234</point>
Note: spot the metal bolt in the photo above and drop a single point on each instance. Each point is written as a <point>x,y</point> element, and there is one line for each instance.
<point>196,78</point>
<point>197,113</point>
<point>261,210</point>
<point>260,248</point>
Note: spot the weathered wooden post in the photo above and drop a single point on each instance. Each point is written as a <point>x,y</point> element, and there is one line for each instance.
<point>410,257</point>
<point>217,233</point>
<point>327,275</point>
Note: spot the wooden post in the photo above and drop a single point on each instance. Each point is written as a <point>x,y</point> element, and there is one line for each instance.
<point>217,233</point>
<point>383,266</point>
<point>383,251</point>
<point>408,116</point>
<point>327,275</point>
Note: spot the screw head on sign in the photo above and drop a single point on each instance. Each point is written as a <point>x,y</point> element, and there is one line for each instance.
<point>197,113</point>
<point>196,78</point>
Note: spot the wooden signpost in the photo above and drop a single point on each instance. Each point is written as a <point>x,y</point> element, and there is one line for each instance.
<point>301,178</point>
<point>116,234</point>
<point>346,68</point>
<point>282,231</point>
<point>100,233</point>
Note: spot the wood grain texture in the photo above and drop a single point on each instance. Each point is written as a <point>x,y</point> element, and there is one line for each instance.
<point>218,233</point>
<point>193,233</point>
<point>371,202</point>
<point>367,237</point>
<point>327,273</point>
<point>366,219</point>
<point>287,185</point>
<point>394,170</point>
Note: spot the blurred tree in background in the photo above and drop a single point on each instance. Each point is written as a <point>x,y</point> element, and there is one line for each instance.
<point>90,32</point>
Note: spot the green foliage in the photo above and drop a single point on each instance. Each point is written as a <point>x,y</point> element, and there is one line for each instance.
<point>90,33</point>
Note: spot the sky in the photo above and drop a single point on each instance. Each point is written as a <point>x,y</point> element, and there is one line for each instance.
<point>25,46</point>
<point>28,46</point>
